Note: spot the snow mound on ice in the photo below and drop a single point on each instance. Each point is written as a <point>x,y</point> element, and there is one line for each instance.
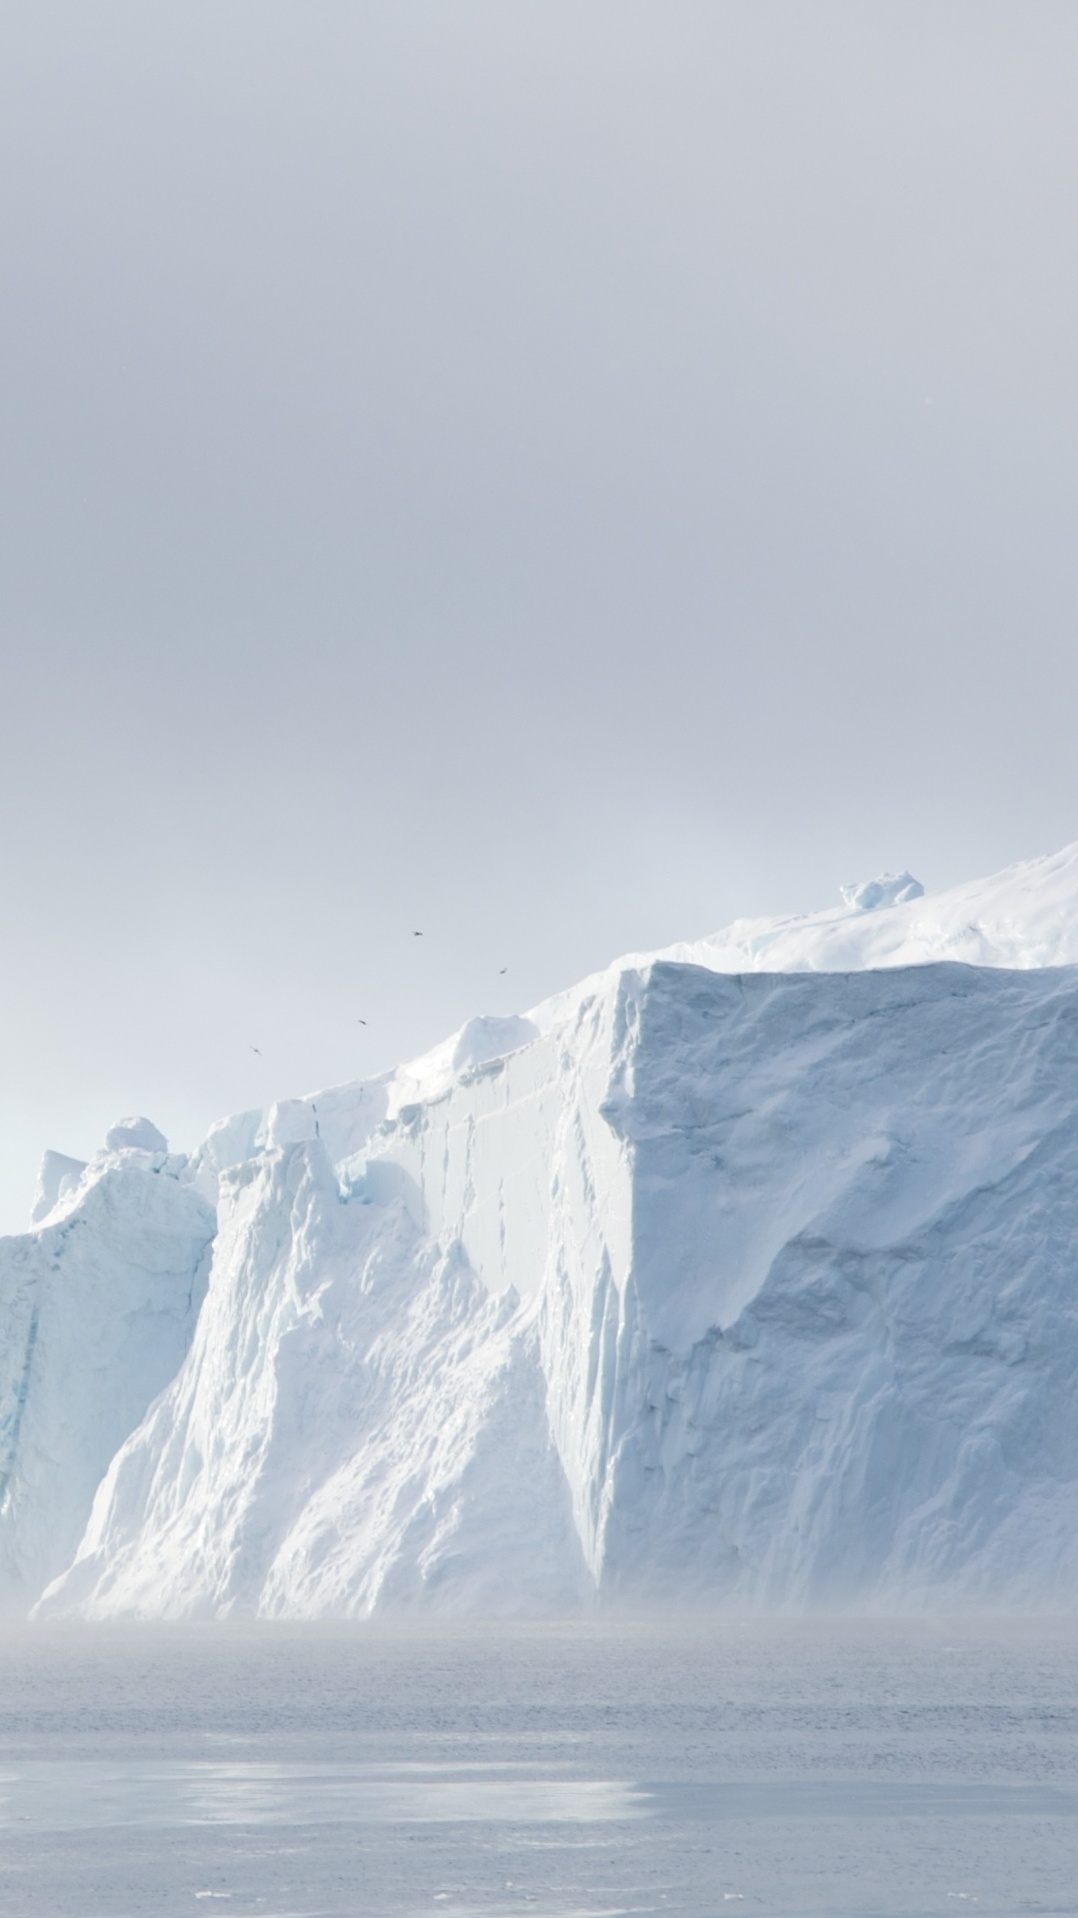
<point>890,889</point>
<point>481,1042</point>
<point>141,1135</point>
<point>487,1038</point>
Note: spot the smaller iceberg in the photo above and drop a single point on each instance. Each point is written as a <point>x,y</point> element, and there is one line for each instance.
<point>888,889</point>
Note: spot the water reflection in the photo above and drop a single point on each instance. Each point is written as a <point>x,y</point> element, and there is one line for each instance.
<point>788,1769</point>
<point>73,1795</point>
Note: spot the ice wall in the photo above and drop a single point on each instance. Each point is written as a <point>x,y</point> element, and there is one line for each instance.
<point>847,1368</point>
<point>97,1309</point>
<point>755,1288</point>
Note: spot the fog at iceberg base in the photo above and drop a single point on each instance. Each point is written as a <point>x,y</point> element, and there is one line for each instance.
<point>742,1273</point>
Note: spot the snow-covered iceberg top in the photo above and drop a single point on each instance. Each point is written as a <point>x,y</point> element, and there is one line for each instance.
<point>1026,915</point>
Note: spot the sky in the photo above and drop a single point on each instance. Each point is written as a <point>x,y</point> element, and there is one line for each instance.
<point>555,475</point>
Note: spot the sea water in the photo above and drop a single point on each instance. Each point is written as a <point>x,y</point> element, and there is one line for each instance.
<point>693,1766</point>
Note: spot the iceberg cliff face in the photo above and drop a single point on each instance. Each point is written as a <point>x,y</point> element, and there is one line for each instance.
<point>97,1309</point>
<point>688,1287</point>
<point>757,1287</point>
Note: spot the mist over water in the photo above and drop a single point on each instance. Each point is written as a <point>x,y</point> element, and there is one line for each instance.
<point>833,1766</point>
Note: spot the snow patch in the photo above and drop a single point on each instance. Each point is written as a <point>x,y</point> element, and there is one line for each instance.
<point>140,1134</point>
<point>482,1040</point>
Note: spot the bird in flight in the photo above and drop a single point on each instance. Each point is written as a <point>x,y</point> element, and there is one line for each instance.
<point>417,935</point>
<point>255,1049</point>
<point>361,1022</point>
<point>503,972</point>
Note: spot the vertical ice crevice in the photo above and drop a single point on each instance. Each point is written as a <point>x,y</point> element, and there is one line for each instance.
<point>13,1426</point>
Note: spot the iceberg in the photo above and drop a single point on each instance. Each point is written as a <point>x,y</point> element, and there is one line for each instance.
<point>889,889</point>
<point>743,1273</point>
<point>97,1309</point>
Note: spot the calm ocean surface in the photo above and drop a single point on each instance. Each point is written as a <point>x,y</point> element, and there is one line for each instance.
<point>840,1767</point>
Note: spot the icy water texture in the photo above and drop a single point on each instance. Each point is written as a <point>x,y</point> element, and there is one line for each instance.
<point>696,1768</point>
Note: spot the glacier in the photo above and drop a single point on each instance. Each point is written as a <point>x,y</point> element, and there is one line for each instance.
<point>740,1273</point>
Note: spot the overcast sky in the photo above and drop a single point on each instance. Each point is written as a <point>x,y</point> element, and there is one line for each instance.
<point>552,475</point>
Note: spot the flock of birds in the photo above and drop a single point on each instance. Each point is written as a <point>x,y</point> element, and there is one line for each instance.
<point>362,1022</point>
